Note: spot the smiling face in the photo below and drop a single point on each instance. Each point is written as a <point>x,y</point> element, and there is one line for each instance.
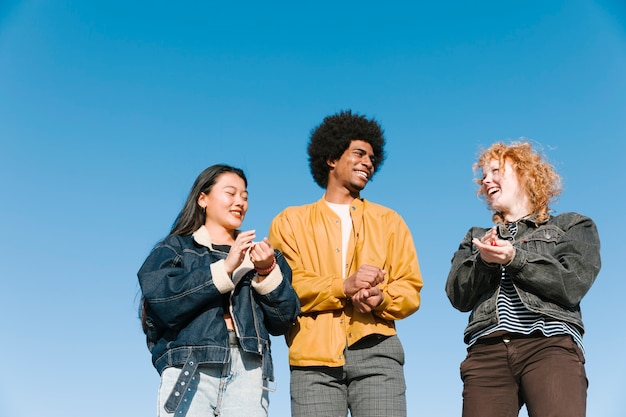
<point>226,204</point>
<point>351,171</point>
<point>503,191</point>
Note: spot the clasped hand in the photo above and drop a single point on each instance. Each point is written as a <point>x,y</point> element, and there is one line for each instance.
<point>494,250</point>
<point>361,288</point>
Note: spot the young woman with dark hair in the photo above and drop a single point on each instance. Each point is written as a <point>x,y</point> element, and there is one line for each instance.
<point>212,297</point>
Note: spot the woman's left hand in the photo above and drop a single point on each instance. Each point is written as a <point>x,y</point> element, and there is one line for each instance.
<point>262,254</point>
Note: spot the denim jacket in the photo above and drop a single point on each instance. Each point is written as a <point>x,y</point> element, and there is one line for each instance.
<point>183,281</point>
<point>555,264</point>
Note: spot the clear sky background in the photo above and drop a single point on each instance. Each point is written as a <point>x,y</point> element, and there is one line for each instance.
<point>110,109</point>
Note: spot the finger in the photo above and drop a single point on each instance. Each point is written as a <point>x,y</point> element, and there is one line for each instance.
<point>371,273</point>
<point>242,247</point>
<point>245,233</point>
<point>259,253</point>
<point>265,249</point>
<point>478,243</point>
<point>264,244</point>
<point>247,236</point>
<point>489,236</point>
<point>369,268</point>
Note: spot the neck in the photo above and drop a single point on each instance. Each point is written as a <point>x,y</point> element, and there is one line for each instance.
<point>512,218</point>
<point>340,195</point>
<point>520,209</point>
<point>219,235</point>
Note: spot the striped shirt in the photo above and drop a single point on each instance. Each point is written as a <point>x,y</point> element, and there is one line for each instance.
<point>514,317</point>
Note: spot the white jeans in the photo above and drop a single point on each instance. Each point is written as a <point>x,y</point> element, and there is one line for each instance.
<point>230,390</point>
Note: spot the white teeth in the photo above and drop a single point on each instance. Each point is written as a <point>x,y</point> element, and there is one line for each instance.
<point>362,174</point>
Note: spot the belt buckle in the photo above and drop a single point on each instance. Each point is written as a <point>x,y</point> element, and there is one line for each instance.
<point>232,338</point>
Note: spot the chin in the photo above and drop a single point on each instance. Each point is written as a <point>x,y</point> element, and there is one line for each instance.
<point>236,225</point>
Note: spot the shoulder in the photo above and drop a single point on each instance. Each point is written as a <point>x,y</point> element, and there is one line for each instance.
<point>378,210</point>
<point>294,212</point>
<point>170,249</point>
<point>569,219</point>
<point>476,231</point>
<point>175,242</point>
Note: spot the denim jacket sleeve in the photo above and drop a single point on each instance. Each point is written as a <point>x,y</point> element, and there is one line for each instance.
<point>279,302</point>
<point>470,278</point>
<point>559,260</point>
<point>176,280</point>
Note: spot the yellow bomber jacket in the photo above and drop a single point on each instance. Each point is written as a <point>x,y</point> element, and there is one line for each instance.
<point>310,238</point>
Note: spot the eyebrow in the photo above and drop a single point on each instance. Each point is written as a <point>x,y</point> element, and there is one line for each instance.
<point>364,151</point>
<point>234,188</point>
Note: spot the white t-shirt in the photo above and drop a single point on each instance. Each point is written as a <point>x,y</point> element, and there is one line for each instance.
<point>343,211</point>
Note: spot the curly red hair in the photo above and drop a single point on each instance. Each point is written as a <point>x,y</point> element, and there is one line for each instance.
<point>537,177</point>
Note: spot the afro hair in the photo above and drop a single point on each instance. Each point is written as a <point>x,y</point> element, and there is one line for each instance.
<point>330,139</point>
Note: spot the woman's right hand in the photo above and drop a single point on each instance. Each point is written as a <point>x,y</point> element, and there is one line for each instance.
<point>243,242</point>
<point>494,250</point>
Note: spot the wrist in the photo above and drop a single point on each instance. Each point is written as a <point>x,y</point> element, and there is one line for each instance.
<point>512,258</point>
<point>266,271</point>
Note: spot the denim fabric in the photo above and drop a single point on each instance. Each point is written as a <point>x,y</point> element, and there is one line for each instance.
<point>555,264</point>
<point>234,389</point>
<point>185,314</point>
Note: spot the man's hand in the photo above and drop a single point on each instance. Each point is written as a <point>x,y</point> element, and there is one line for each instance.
<point>367,299</point>
<point>366,277</point>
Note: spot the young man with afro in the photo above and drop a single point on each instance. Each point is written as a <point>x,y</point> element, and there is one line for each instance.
<point>356,272</point>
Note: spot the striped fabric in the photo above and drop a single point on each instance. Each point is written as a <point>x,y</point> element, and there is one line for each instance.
<point>514,317</point>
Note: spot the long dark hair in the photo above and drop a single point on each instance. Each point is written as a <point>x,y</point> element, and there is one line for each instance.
<point>192,216</point>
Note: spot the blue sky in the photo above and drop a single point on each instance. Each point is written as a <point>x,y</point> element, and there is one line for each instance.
<point>109,110</point>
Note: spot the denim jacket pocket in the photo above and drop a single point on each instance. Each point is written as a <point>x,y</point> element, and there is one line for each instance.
<point>542,240</point>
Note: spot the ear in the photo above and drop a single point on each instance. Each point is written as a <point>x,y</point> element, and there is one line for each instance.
<point>201,199</point>
<point>331,163</point>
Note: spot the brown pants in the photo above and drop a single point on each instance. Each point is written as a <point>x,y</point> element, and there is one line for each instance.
<point>547,374</point>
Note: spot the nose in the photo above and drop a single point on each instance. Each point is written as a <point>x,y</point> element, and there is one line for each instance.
<point>367,161</point>
<point>240,201</point>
